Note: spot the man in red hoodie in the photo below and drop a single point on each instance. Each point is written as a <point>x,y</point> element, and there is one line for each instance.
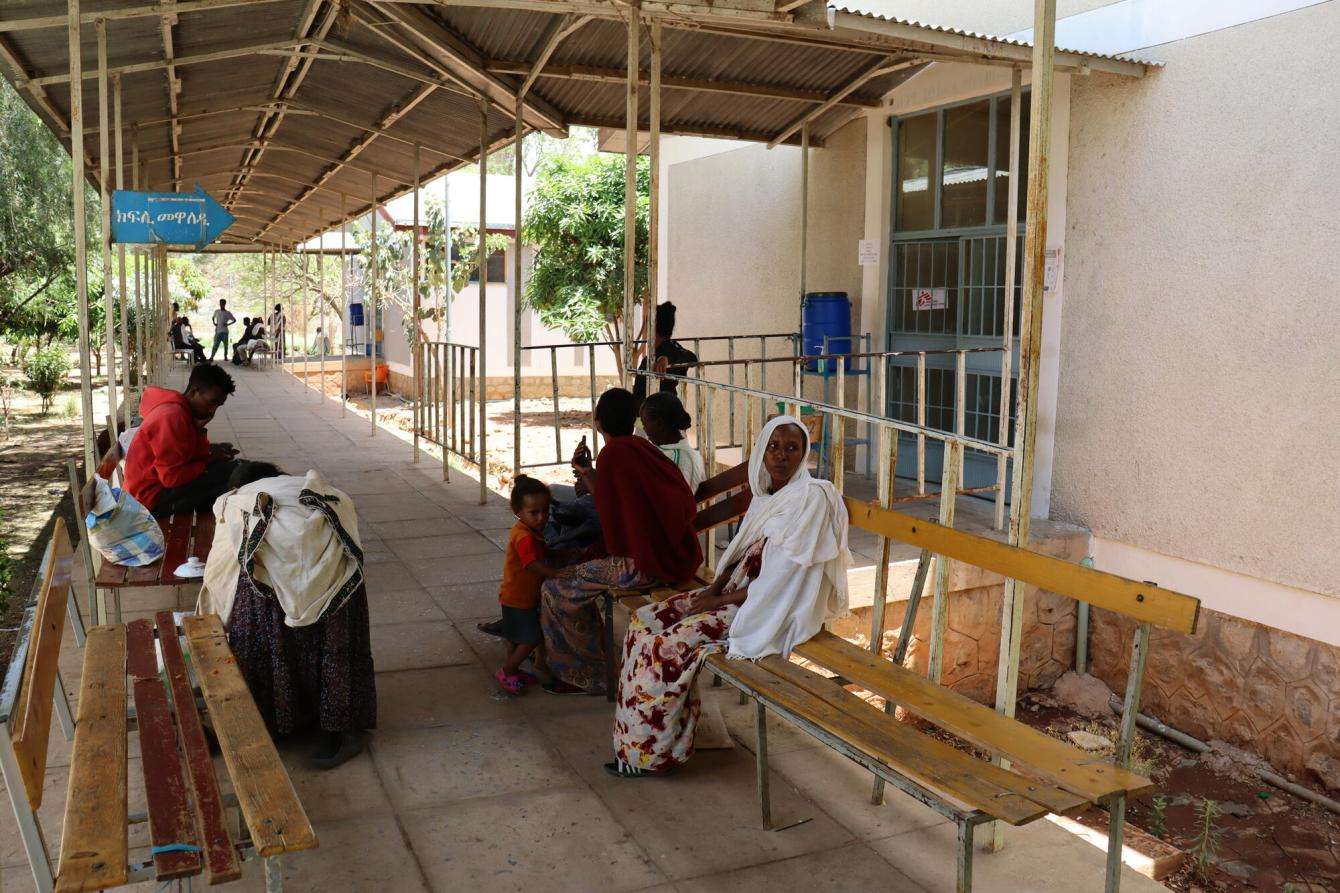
<point>171,466</point>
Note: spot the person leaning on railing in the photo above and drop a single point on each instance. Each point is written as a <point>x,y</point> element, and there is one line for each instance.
<point>672,357</point>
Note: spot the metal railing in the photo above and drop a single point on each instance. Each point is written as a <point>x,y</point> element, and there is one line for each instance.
<point>450,393</point>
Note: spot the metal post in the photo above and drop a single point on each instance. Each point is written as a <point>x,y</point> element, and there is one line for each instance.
<point>104,171</point>
<point>344,309</point>
<point>627,374</point>
<point>446,261</point>
<point>1130,712</point>
<point>121,293</point>
<point>1030,345</point>
<point>654,188</point>
<point>761,763</point>
<point>963,860</point>
<point>1007,315</point>
<point>324,337</point>
<point>416,342</point>
<point>372,319</point>
<point>558,429</point>
<point>306,323</point>
<point>516,304</point>
<point>591,374</point>
<point>804,203</point>
<point>949,483</point>
<point>30,831</point>
<point>921,423</point>
<point>80,254</point>
<point>836,423</point>
<point>140,369</point>
<point>483,451</point>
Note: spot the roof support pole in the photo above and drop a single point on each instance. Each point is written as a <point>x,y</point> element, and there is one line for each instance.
<point>654,189</point>
<point>80,251</point>
<point>140,368</point>
<point>628,373</point>
<point>323,336</point>
<point>483,305</point>
<point>415,343</point>
<point>1011,270</point>
<point>446,265</point>
<point>804,204</point>
<point>105,240</point>
<point>121,294</point>
<point>372,321</point>
<point>1030,345</point>
<point>517,164</point>
<point>305,289</point>
<point>344,309</point>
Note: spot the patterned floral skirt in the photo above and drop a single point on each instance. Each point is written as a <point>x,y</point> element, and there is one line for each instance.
<point>574,637</point>
<point>308,677</point>
<point>656,711</point>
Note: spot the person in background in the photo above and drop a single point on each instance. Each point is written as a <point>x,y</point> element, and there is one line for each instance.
<point>664,420</point>
<point>171,466</point>
<point>321,347</point>
<point>189,341</point>
<point>646,518</point>
<point>276,323</point>
<point>525,568</point>
<point>672,357</point>
<point>223,318</point>
<point>173,333</point>
<point>253,337</point>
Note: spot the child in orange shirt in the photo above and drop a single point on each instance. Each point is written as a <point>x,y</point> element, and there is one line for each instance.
<point>524,569</point>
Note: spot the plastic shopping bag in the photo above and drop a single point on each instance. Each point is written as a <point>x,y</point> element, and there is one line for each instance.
<point>121,529</point>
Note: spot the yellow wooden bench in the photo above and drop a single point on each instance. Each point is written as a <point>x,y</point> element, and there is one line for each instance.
<point>1042,775</point>
<point>188,829</point>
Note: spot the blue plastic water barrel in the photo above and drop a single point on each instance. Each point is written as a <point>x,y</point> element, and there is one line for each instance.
<point>825,313</point>
<point>356,314</point>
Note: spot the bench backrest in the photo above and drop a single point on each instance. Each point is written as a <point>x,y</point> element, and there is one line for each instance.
<point>30,683</point>
<point>1145,602</point>
<point>728,509</point>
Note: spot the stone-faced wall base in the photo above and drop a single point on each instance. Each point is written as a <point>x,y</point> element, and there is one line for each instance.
<point>1273,693</point>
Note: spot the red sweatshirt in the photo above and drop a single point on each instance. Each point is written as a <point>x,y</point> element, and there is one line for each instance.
<point>169,450</point>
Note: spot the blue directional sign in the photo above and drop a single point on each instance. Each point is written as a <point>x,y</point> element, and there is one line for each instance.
<point>174,218</point>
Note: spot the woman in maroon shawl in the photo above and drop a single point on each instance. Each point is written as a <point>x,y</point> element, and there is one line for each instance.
<point>646,515</point>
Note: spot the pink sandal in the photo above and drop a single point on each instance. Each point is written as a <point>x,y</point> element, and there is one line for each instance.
<point>513,685</point>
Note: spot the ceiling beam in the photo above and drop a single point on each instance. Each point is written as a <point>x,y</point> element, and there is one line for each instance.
<point>879,69</point>
<point>669,82</point>
<point>467,62</point>
<point>724,133</point>
<point>398,179</point>
<point>35,92</point>
<point>166,22</point>
<point>558,31</point>
<point>129,12</point>
<point>169,62</point>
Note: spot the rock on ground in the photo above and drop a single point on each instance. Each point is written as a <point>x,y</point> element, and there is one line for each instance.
<point>1085,694</point>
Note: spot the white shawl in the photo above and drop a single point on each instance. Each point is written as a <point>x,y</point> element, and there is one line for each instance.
<point>306,553</point>
<point>803,581</point>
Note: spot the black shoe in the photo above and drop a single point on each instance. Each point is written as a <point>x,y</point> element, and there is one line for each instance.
<point>492,627</point>
<point>559,687</point>
<point>338,749</point>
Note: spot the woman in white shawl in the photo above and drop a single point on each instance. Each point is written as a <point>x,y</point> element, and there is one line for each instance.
<point>782,577</point>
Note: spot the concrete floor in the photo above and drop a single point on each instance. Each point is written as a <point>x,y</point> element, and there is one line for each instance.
<point>465,789</point>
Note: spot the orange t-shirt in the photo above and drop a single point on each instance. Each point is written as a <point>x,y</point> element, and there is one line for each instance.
<point>520,587</point>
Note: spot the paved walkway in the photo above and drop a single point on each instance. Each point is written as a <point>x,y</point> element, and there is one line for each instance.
<point>466,789</point>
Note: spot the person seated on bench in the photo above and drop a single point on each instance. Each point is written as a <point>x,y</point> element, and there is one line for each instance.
<point>253,339</point>
<point>285,574</point>
<point>646,518</point>
<point>783,576</point>
<point>171,466</point>
<point>664,420</point>
<point>184,339</point>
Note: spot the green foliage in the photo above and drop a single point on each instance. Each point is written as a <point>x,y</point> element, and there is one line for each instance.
<point>7,566</point>
<point>46,372</point>
<point>1158,816</point>
<point>1206,844</point>
<point>576,224</point>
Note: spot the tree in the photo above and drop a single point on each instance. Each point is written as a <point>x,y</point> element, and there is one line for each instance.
<point>576,224</point>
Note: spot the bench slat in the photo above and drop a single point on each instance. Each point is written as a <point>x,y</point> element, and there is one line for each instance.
<point>32,709</point>
<point>221,862</point>
<point>113,576</point>
<point>719,513</point>
<point>171,819</point>
<point>979,725</point>
<point>1142,601</point>
<point>94,846</point>
<point>141,662</point>
<point>265,793</point>
<point>723,482</point>
<point>904,750</point>
<point>146,575</point>
<point>202,536</point>
<point>178,545</point>
<point>1042,793</point>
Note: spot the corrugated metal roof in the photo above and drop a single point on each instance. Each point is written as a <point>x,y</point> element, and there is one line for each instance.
<point>367,88</point>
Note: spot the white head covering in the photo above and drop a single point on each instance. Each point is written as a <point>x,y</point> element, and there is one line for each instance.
<point>803,582</point>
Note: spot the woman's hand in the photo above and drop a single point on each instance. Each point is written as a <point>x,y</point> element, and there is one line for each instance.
<point>704,600</point>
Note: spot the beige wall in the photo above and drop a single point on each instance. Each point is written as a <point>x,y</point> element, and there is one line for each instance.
<point>998,17</point>
<point>1199,396</point>
<point>733,257</point>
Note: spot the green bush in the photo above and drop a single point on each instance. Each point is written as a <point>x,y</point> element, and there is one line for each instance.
<point>46,372</point>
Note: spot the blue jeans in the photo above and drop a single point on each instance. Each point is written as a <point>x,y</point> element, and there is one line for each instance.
<point>220,338</point>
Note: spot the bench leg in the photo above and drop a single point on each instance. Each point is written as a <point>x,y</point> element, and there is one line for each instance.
<point>1115,832</point>
<point>964,883</point>
<point>63,708</point>
<point>274,874</point>
<point>610,681</point>
<point>761,762</point>
<point>29,830</point>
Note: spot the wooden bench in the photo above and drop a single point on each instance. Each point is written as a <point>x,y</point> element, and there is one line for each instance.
<point>1016,774</point>
<point>712,516</point>
<point>186,811</point>
<point>185,535</point>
